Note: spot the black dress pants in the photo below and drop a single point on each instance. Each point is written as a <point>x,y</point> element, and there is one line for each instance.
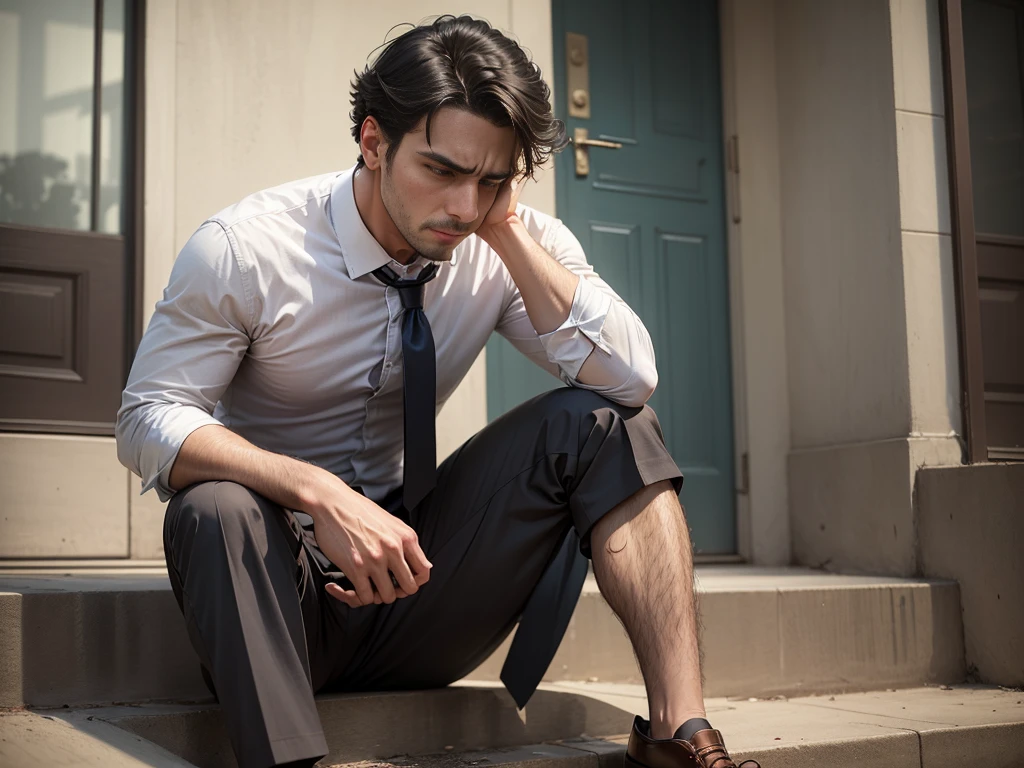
<point>250,581</point>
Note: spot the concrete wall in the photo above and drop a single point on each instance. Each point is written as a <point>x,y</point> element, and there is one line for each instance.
<point>870,318</point>
<point>62,496</point>
<point>972,530</point>
<point>840,223</point>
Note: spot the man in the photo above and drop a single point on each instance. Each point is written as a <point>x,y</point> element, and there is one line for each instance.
<point>284,399</point>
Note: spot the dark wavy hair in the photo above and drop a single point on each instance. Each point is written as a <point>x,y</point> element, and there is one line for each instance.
<point>457,62</point>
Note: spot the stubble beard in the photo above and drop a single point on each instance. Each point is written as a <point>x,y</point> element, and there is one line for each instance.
<point>419,240</point>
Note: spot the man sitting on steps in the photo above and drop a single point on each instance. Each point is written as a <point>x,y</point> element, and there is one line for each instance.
<point>284,396</point>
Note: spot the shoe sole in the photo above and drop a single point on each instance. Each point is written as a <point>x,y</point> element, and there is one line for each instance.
<point>632,763</point>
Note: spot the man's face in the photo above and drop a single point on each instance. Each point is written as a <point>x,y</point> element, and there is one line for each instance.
<point>438,194</point>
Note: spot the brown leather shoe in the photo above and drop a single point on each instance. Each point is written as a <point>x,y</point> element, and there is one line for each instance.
<point>705,750</point>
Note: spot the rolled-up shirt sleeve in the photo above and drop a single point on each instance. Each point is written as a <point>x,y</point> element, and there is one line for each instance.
<point>600,327</point>
<point>198,335</point>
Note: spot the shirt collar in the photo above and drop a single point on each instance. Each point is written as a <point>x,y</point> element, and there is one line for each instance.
<point>360,249</point>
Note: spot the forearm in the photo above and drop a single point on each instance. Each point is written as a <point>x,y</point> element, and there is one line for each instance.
<point>214,452</point>
<point>585,329</point>
<point>371,548</point>
<point>546,286</point>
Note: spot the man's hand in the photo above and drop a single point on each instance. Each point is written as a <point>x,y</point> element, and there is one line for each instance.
<point>502,209</point>
<point>366,543</point>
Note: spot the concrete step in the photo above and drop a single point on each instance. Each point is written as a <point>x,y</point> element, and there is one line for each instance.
<point>771,631</point>
<point>565,726</point>
<point>71,635</point>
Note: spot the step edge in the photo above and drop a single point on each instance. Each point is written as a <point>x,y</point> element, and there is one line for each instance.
<point>35,592</point>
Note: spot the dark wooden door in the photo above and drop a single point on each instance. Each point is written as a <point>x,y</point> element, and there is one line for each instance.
<point>994,58</point>
<point>68,180</point>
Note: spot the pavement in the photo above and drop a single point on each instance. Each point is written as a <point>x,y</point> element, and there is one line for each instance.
<point>930,727</point>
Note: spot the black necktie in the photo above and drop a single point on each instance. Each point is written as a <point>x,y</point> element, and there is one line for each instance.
<point>419,382</point>
<point>544,620</point>
<point>550,607</point>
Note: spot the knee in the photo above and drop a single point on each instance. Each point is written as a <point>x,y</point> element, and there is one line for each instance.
<point>575,401</point>
<point>583,402</point>
<point>593,412</point>
<point>205,510</point>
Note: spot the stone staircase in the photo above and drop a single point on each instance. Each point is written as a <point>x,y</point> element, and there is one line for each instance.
<point>96,668</point>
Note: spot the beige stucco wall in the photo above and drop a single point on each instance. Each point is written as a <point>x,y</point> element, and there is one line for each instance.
<point>840,223</point>
<point>62,496</point>
<point>870,313</point>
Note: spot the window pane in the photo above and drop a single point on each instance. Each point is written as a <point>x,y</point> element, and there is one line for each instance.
<point>994,53</point>
<point>112,126</point>
<point>46,77</point>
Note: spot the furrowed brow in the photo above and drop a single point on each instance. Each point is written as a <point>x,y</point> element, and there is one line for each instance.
<point>453,166</point>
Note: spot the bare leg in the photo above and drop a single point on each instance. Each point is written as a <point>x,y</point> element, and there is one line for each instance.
<point>643,560</point>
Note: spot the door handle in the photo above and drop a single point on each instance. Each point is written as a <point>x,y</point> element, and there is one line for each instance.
<point>581,143</point>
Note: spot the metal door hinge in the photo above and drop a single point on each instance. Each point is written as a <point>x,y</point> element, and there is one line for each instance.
<point>732,154</point>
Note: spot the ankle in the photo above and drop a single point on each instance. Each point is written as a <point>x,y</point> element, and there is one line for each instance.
<point>665,724</point>
<point>692,727</point>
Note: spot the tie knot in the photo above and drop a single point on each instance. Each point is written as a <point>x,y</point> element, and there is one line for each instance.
<point>411,295</point>
<point>410,290</point>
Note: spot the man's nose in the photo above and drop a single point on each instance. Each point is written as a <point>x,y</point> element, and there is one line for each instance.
<point>463,200</point>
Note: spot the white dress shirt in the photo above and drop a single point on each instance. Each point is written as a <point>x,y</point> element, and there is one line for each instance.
<point>272,326</point>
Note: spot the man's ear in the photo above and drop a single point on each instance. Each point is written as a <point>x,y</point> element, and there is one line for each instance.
<point>372,143</point>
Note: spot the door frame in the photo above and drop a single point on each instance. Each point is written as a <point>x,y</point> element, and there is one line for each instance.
<point>136,180</point>
<point>761,436</point>
<point>965,239</point>
<point>730,148</point>
<point>965,255</point>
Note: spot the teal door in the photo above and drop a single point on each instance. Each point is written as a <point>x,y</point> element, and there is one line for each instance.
<point>651,219</point>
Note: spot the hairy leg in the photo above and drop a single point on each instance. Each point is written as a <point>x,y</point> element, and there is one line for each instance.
<point>643,560</point>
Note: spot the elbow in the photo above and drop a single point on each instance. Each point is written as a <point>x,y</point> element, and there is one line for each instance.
<point>647,382</point>
<point>124,432</point>
<point>642,386</point>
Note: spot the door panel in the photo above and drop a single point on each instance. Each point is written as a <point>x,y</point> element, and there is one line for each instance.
<point>62,330</point>
<point>650,217</point>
